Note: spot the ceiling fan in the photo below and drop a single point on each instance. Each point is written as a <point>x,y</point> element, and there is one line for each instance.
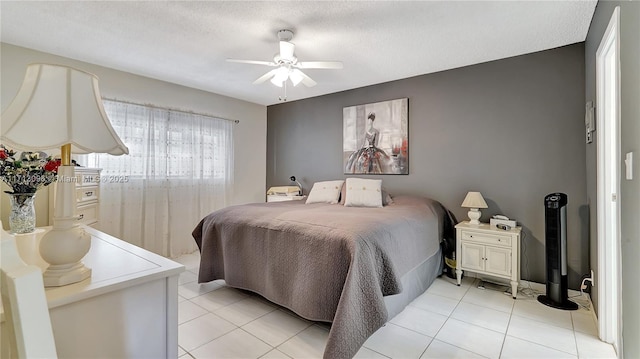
<point>287,65</point>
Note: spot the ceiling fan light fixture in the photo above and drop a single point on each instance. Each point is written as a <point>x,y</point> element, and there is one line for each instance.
<point>296,77</point>
<point>286,65</point>
<point>276,82</point>
<point>281,75</point>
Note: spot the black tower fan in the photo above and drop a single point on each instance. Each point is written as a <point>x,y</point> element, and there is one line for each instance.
<point>555,216</point>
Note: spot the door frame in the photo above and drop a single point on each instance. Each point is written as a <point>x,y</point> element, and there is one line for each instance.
<point>608,201</point>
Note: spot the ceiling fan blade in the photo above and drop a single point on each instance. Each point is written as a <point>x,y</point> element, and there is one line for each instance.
<point>265,77</point>
<point>306,80</point>
<point>319,65</point>
<point>267,63</point>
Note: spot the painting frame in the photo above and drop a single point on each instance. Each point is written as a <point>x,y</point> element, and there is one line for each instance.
<point>375,138</point>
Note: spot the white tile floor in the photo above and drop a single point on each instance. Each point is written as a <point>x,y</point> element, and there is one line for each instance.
<point>447,321</point>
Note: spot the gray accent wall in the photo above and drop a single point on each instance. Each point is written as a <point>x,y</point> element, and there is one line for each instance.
<point>512,129</point>
<point>630,142</point>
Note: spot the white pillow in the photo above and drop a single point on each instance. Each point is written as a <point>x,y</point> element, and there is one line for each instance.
<point>325,192</point>
<point>363,193</point>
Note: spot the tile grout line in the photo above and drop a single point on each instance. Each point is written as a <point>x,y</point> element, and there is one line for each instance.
<point>200,346</point>
<point>269,345</point>
<point>545,322</point>
<point>375,351</point>
<point>445,322</point>
<point>202,315</point>
<point>549,324</point>
<point>504,340</point>
<point>252,320</point>
<point>289,338</point>
<point>237,326</point>
<point>277,308</point>
<point>546,346</point>
<point>575,339</point>
<point>274,347</point>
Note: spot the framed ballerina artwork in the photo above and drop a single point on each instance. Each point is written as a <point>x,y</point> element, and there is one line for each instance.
<point>375,138</point>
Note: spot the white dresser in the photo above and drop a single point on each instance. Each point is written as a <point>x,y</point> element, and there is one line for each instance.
<point>127,309</point>
<point>88,195</point>
<point>485,250</point>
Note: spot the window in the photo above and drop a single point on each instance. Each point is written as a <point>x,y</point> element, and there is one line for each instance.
<point>179,169</point>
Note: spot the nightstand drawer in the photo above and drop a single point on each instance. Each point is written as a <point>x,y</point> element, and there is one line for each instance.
<point>88,214</point>
<point>487,238</point>
<point>87,194</point>
<point>87,177</point>
<point>279,198</point>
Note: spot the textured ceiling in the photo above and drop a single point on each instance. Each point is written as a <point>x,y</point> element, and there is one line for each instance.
<point>187,42</point>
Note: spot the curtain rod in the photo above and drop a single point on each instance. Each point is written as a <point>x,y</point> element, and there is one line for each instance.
<point>170,109</point>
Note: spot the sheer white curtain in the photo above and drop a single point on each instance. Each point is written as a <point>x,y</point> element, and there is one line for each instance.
<point>179,169</point>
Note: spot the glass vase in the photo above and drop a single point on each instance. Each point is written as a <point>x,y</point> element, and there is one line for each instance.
<point>22,218</point>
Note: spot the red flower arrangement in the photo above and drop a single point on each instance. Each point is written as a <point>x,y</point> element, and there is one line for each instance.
<point>29,173</point>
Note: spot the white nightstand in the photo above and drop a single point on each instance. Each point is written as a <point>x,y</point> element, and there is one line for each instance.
<point>485,250</point>
<point>280,198</point>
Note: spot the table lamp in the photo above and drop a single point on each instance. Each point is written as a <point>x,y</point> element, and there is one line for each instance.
<point>293,179</point>
<point>61,107</point>
<point>474,201</point>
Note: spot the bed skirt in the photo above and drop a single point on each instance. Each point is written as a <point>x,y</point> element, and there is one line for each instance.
<point>414,283</point>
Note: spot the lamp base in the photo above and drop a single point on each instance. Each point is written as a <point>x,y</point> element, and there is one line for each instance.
<point>64,246</point>
<point>474,216</point>
<point>59,275</point>
<point>64,249</point>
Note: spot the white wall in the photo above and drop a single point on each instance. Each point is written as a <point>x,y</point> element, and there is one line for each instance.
<point>249,136</point>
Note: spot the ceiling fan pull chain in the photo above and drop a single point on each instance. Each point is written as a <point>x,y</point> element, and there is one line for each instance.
<point>285,92</point>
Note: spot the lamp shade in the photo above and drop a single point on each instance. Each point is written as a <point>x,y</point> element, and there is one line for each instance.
<point>281,75</point>
<point>58,105</point>
<point>296,76</point>
<point>474,200</point>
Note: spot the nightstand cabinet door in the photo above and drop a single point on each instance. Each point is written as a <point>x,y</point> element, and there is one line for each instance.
<point>498,260</point>
<point>472,256</point>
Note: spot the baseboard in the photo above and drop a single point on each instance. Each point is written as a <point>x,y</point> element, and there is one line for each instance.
<point>538,287</point>
<point>541,288</point>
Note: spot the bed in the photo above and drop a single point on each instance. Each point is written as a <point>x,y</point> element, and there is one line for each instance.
<point>353,267</point>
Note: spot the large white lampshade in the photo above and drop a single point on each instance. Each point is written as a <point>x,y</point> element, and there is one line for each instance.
<point>59,106</point>
<point>474,201</point>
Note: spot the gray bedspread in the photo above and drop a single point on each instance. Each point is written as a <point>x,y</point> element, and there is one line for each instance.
<point>324,262</point>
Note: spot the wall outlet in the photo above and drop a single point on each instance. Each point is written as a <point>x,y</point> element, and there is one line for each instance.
<point>583,285</point>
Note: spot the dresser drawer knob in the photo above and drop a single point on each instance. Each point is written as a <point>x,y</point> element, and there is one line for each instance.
<point>81,216</point>
<point>88,194</point>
